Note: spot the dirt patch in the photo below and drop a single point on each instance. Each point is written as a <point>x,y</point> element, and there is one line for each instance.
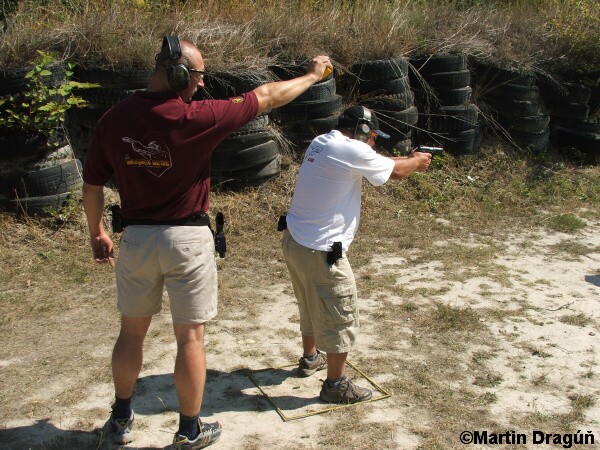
<point>505,339</point>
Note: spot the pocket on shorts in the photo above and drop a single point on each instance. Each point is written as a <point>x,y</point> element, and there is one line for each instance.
<point>338,303</point>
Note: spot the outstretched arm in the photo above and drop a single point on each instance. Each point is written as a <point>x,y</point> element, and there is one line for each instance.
<point>93,205</point>
<point>405,165</point>
<point>279,93</point>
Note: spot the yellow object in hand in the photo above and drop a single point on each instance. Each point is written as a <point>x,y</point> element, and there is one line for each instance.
<point>326,73</point>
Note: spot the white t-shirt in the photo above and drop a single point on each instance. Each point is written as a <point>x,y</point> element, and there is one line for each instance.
<point>327,198</point>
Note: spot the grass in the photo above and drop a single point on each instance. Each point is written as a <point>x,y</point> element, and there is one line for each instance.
<point>447,222</point>
<point>548,36</point>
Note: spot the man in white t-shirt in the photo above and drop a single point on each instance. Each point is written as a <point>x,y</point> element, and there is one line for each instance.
<point>321,224</point>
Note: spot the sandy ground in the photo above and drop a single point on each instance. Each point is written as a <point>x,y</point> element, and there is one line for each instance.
<point>549,285</point>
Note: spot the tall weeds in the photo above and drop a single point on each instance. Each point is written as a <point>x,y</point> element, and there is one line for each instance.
<point>249,33</point>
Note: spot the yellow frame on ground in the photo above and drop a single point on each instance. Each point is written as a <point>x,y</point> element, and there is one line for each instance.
<point>384,394</point>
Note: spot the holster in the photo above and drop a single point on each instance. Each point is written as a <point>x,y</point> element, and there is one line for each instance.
<point>220,243</point>
<point>335,253</point>
<point>116,221</point>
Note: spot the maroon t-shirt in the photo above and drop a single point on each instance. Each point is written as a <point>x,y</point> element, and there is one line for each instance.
<point>159,148</point>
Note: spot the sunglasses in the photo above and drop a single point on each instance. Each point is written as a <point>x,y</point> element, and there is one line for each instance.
<point>201,72</point>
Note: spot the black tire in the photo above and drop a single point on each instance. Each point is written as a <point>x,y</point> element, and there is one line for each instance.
<point>451,119</point>
<point>402,147</point>
<point>319,91</point>
<point>513,108</point>
<point>57,179</point>
<point>252,176</point>
<point>384,87</point>
<point>52,158</point>
<point>449,80</point>
<point>380,69</point>
<point>79,139</point>
<point>401,121</point>
<point>104,97</point>
<point>441,62</point>
<point>391,102</point>
<point>259,123</point>
<point>532,141</point>
<point>513,92</point>
<point>586,142</point>
<point>312,127</point>
<point>225,159</point>
<point>567,92</point>
<point>87,117</point>
<point>39,206</point>
<point>13,81</point>
<point>23,148</point>
<point>489,75</point>
<point>121,78</point>
<point>237,142</point>
<point>461,143</point>
<point>445,97</point>
<point>528,124</point>
<point>573,111</point>
<point>286,70</point>
<point>297,111</point>
<point>222,85</point>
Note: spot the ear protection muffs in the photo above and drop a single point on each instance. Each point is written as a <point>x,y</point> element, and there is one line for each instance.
<point>364,126</point>
<point>178,73</point>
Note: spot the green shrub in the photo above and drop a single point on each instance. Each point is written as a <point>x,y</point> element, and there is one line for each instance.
<point>42,107</point>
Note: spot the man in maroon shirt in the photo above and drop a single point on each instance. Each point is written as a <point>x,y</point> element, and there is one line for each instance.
<point>158,144</point>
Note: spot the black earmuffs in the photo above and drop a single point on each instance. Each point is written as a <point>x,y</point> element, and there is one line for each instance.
<point>364,126</point>
<point>178,73</point>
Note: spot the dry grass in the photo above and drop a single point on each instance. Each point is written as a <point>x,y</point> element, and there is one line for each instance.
<point>245,34</point>
<point>51,292</point>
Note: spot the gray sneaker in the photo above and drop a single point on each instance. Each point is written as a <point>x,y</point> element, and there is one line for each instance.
<point>345,392</point>
<point>209,434</point>
<point>306,368</point>
<point>121,429</point>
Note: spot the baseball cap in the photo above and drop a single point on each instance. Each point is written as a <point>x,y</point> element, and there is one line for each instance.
<point>351,117</point>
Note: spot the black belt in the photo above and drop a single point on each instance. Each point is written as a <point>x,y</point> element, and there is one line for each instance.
<point>198,220</point>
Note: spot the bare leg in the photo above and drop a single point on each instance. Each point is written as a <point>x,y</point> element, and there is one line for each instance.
<point>336,363</point>
<point>190,367</point>
<point>128,354</point>
<point>309,345</point>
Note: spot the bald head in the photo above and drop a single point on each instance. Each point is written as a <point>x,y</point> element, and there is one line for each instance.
<point>190,58</point>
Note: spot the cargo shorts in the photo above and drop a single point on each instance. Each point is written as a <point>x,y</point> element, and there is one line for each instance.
<point>326,294</point>
<point>180,258</point>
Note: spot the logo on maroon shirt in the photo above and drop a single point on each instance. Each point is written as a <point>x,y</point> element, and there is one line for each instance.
<point>152,157</point>
<point>237,99</point>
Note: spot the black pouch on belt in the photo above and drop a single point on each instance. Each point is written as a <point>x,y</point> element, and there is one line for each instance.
<point>116,221</point>
<point>220,244</point>
<point>335,253</point>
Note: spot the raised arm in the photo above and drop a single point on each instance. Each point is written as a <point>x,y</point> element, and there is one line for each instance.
<point>279,93</point>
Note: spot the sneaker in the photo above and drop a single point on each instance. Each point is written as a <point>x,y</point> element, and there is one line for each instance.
<point>121,429</point>
<point>306,368</point>
<point>345,392</point>
<point>209,434</point>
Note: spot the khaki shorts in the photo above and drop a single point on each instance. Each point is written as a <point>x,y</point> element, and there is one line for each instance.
<point>326,296</point>
<point>181,258</point>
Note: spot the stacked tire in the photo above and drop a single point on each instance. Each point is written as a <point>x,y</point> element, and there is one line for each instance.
<point>115,85</point>
<point>36,175</point>
<point>513,100</point>
<point>383,85</point>
<point>249,157</point>
<point>312,113</point>
<point>569,106</point>
<point>447,118</point>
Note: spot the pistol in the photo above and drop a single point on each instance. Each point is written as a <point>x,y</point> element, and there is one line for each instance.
<point>435,151</point>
